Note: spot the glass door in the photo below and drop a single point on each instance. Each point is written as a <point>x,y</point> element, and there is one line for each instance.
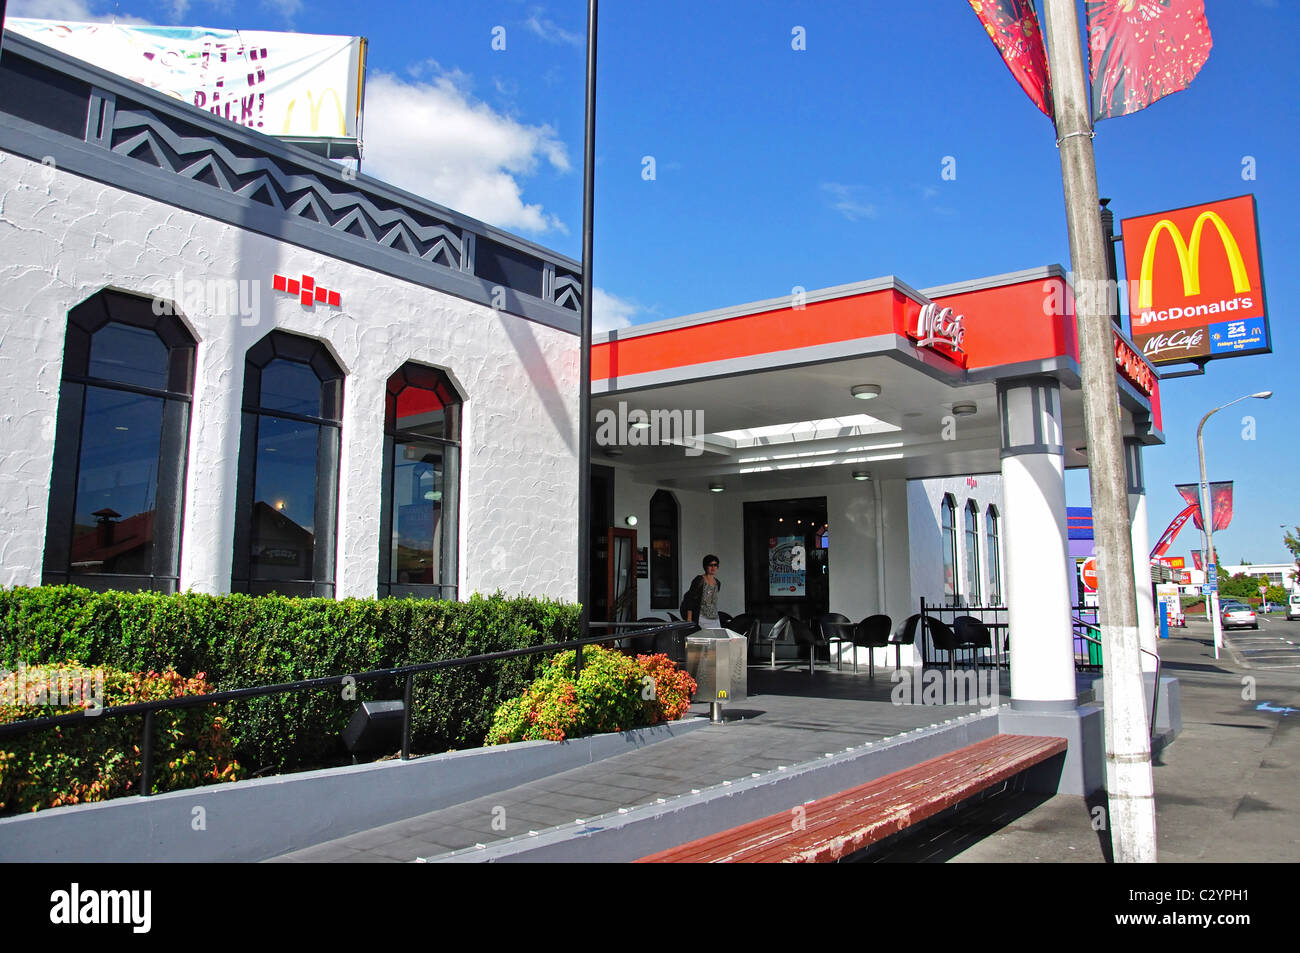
<point>622,575</point>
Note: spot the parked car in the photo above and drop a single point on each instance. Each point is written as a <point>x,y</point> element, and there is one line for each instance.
<point>1293,606</point>
<point>1238,616</point>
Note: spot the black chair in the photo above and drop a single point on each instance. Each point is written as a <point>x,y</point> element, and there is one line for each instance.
<point>943,638</point>
<point>725,619</point>
<point>744,624</point>
<point>835,629</point>
<point>871,633</point>
<point>788,628</point>
<point>642,644</point>
<point>973,634</point>
<point>906,635</point>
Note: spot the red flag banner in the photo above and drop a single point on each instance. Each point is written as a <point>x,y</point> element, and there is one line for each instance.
<point>1196,559</point>
<point>1175,526</point>
<point>1012,25</point>
<point>1143,50</point>
<point>1220,502</point>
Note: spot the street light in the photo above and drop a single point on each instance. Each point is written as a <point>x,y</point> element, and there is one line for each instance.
<point>1207,522</point>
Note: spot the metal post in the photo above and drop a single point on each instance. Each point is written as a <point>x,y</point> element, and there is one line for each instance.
<point>1207,523</point>
<point>406,716</point>
<point>1128,742</point>
<point>146,756</point>
<point>584,371</point>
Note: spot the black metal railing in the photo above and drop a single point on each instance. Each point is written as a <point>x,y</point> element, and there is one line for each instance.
<point>1155,695</point>
<point>998,655</point>
<point>1087,651</point>
<point>405,672</point>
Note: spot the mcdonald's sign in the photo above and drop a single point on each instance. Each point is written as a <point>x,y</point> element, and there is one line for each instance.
<point>1195,282</point>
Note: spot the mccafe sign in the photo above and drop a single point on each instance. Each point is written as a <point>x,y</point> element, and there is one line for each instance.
<point>940,329</point>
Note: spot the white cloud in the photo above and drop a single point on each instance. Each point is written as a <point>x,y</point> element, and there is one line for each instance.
<point>844,199</point>
<point>610,311</point>
<point>66,10</point>
<point>552,32</point>
<point>288,9</point>
<point>434,139</point>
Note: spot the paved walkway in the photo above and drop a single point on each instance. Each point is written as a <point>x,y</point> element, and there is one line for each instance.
<point>1227,789</point>
<point>790,718</point>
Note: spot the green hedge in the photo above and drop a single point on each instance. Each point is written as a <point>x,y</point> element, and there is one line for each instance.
<point>239,641</point>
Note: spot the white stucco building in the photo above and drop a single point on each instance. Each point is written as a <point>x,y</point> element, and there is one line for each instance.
<point>225,365</point>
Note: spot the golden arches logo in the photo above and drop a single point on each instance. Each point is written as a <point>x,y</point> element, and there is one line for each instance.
<point>313,112</point>
<point>1189,257</point>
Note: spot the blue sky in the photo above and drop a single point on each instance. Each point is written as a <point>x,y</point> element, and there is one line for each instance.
<point>775,167</point>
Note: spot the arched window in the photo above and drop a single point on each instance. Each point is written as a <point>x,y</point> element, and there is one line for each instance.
<point>665,566</point>
<point>118,480</point>
<point>994,558</point>
<point>972,553</point>
<point>287,502</point>
<point>948,513</point>
<point>419,533</point>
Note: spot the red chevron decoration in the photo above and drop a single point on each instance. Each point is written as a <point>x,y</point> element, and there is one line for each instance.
<point>307,289</point>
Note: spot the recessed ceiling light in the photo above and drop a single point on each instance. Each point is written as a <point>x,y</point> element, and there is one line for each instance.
<point>964,410</point>
<point>861,475</point>
<point>121,428</point>
<point>865,391</point>
<point>630,520</point>
<point>716,487</point>
<point>640,423</point>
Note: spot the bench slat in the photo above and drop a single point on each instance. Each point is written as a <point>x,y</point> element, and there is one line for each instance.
<point>853,819</point>
<point>886,793</point>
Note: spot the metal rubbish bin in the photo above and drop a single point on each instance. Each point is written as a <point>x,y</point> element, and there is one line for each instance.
<point>719,664</point>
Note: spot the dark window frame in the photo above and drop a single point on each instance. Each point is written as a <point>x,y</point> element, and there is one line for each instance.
<point>948,523</point>
<point>973,581</point>
<point>994,547</point>
<point>426,377</point>
<point>104,308</point>
<point>667,505</point>
<point>314,352</point>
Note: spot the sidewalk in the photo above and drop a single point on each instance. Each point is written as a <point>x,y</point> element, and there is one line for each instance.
<point>1227,789</point>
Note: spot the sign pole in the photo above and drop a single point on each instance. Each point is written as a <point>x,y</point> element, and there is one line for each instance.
<point>584,370</point>
<point>1130,788</point>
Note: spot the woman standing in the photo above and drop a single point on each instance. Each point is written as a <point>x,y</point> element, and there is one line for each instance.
<point>701,603</point>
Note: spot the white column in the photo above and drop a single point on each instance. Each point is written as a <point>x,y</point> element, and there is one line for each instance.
<point>1137,509</point>
<point>1037,585</point>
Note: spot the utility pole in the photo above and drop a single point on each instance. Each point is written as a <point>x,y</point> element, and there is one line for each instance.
<point>584,345</point>
<point>1132,820</point>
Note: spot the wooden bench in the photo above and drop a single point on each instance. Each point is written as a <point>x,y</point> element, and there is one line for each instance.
<point>836,826</point>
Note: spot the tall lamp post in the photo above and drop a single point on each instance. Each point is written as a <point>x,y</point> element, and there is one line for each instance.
<point>1207,522</point>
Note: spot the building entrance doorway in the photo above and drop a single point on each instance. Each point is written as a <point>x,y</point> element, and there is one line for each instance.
<point>787,559</point>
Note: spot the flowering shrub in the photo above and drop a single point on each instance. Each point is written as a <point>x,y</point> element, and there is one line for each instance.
<point>673,689</point>
<point>100,758</point>
<point>612,693</point>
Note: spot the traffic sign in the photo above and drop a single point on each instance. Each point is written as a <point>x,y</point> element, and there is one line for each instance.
<point>1088,573</point>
